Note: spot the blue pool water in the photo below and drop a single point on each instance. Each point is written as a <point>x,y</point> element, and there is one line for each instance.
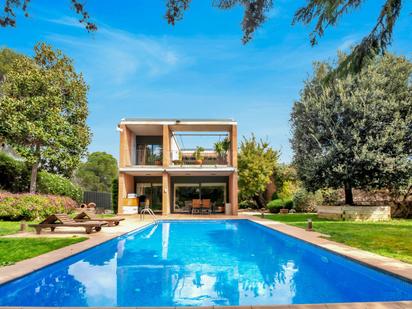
<point>200,263</point>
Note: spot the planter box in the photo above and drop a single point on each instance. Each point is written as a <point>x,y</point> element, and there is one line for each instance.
<point>372,213</point>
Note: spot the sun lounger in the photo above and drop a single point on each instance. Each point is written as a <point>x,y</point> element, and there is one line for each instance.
<point>61,220</point>
<point>87,217</point>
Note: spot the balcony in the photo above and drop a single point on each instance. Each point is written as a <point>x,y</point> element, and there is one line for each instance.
<point>191,158</point>
<point>149,156</point>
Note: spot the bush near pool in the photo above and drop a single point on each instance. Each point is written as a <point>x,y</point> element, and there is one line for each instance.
<point>276,205</point>
<point>15,177</point>
<point>26,206</point>
<point>48,183</point>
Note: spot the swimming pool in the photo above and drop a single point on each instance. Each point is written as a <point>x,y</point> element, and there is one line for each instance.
<point>203,263</point>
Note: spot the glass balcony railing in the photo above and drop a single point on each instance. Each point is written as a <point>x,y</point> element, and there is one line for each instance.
<point>144,157</point>
<point>149,157</point>
<point>188,157</point>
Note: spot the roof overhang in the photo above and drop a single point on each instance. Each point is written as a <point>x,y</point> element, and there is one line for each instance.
<point>177,171</point>
<point>154,126</point>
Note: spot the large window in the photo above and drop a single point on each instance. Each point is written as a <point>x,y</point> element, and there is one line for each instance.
<point>184,194</point>
<point>149,154</point>
<point>152,192</point>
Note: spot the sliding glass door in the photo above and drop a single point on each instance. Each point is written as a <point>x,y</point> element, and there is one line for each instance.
<point>184,194</point>
<point>151,192</point>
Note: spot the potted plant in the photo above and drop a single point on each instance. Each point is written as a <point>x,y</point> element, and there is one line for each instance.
<point>158,159</point>
<point>198,155</point>
<point>221,148</point>
<point>179,161</point>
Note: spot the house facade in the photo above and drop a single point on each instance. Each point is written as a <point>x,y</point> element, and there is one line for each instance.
<point>158,170</point>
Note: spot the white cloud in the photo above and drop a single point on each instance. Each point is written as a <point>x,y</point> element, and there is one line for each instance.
<point>117,56</point>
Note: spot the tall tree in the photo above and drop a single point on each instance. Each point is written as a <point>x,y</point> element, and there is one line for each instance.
<point>43,111</point>
<point>323,13</point>
<point>356,131</point>
<point>7,58</point>
<point>256,162</point>
<point>97,173</point>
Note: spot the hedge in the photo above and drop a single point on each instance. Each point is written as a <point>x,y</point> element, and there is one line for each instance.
<point>14,174</point>
<point>304,201</point>
<point>48,183</point>
<point>115,194</point>
<point>274,206</point>
<point>15,177</point>
<point>26,206</point>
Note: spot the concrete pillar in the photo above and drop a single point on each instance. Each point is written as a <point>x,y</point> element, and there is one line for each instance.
<point>166,187</point>
<point>125,154</point>
<point>233,193</point>
<point>126,185</point>
<point>166,146</point>
<point>233,145</point>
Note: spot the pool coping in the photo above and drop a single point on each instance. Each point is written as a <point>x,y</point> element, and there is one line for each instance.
<point>388,265</point>
<point>365,305</point>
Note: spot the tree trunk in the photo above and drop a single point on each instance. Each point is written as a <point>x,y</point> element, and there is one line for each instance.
<point>34,170</point>
<point>348,194</point>
<point>260,201</point>
<point>33,179</point>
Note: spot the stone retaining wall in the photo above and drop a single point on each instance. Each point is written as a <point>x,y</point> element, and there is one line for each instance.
<point>372,213</point>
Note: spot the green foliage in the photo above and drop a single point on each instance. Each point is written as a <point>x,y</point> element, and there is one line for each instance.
<point>256,163</point>
<point>330,196</point>
<point>115,194</point>
<point>58,185</point>
<point>33,206</point>
<point>97,173</point>
<point>222,147</point>
<point>284,172</point>
<point>198,153</point>
<point>50,127</point>
<point>355,132</point>
<point>304,201</point>
<point>288,189</point>
<point>14,175</point>
<point>275,206</point>
<point>7,58</point>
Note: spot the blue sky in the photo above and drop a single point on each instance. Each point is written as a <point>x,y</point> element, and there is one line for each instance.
<point>138,66</point>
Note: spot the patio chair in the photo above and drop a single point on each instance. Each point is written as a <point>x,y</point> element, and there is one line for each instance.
<point>188,206</point>
<point>206,206</point>
<point>196,206</point>
<point>88,216</point>
<point>61,220</point>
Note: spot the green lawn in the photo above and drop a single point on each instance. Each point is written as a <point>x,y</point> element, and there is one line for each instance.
<point>16,249</point>
<point>392,238</point>
<point>10,227</point>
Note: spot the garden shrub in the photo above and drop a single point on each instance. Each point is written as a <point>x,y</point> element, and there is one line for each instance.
<point>14,174</point>
<point>54,184</point>
<point>26,206</point>
<point>330,196</point>
<point>275,206</point>
<point>115,195</point>
<point>304,201</point>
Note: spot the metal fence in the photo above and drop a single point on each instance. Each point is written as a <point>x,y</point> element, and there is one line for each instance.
<point>103,200</point>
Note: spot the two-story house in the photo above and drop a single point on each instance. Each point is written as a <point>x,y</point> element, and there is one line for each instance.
<point>155,167</point>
